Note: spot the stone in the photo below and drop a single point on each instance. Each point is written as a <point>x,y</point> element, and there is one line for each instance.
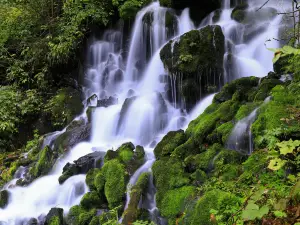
<point>82,165</point>
<point>107,102</point>
<point>195,62</point>
<point>4,198</point>
<point>55,217</point>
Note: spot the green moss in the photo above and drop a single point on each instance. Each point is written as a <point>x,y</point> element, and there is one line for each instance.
<point>217,200</point>
<point>55,221</point>
<point>199,177</point>
<point>92,200</point>
<point>95,221</point>
<point>137,192</point>
<point>115,182</point>
<point>167,145</point>
<point>73,215</point>
<point>90,177</point>
<point>245,110</point>
<point>131,7</point>
<point>126,152</point>
<point>174,201</point>
<point>99,182</point>
<point>168,175</point>
<point>4,197</point>
<point>228,157</point>
<point>202,161</point>
<point>45,162</point>
<point>86,217</point>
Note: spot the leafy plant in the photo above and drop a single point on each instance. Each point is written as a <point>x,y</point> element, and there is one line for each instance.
<point>279,157</point>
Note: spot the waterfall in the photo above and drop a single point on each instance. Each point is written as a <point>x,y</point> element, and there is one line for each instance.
<point>241,138</point>
<point>141,113</point>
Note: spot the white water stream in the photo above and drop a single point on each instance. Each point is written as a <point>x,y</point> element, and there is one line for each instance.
<point>142,114</point>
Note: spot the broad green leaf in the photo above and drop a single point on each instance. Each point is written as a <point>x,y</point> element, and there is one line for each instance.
<point>263,211</point>
<point>249,214</point>
<point>252,206</point>
<point>276,164</point>
<point>287,147</point>
<point>280,214</point>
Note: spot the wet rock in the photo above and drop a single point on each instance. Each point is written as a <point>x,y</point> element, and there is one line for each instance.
<point>72,137</point>
<point>32,221</point>
<point>198,10</point>
<point>130,93</point>
<point>81,166</point>
<point>55,217</point>
<point>4,198</point>
<point>119,77</point>
<point>90,111</point>
<point>239,13</point>
<point>107,102</point>
<point>195,63</point>
<point>168,144</point>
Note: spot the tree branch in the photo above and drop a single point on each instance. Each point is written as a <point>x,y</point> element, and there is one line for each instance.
<point>262,5</point>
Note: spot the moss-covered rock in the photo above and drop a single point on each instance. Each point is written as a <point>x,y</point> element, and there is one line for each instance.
<point>55,217</point>
<point>45,162</point>
<point>132,212</point>
<point>79,216</point>
<point>215,199</point>
<point>72,137</point>
<point>168,174</point>
<point>196,56</point>
<point>4,198</point>
<point>169,143</point>
<point>174,202</point>
<point>90,177</point>
<point>239,13</point>
<point>92,200</point>
<point>115,182</point>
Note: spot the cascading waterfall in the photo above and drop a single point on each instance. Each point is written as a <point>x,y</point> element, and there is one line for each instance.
<point>241,138</point>
<point>141,114</point>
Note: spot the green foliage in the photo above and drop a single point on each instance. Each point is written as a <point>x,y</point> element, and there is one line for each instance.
<point>174,201</point>
<point>44,163</point>
<point>114,173</point>
<point>130,8</point>
<point>64,106</point>
<point>283,155</point>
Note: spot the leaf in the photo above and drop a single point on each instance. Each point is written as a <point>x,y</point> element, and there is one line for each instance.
<point>280,214</point>
<point>263,211</point>
<point>252,206</point>
<point>276,164</point>
<point>249,214</point>
<point>287,147</point>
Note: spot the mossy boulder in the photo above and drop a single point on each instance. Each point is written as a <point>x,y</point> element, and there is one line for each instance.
<point>4,198</point>
<point>92,200</point>
<point>239,13</point>
<point>138,191</point>
<point>72,137</point>
<point>168,174</point>
<point>129,155</point>
<point>64,106</point>
<point>168,144</point>
<point>45,162</point>
<point>175,201</point>
<point>55,217</point>
<point>216,200</point>
<point>81,166</point>
<point>115,182</point>
<point>196,59</point>
<point>79,216</point>
<point>202,161</point>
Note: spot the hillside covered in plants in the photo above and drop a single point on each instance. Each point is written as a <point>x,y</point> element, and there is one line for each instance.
<point>136,112</point>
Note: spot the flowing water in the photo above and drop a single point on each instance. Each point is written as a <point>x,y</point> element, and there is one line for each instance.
<point>135,77</point>
<point>241,138</point>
